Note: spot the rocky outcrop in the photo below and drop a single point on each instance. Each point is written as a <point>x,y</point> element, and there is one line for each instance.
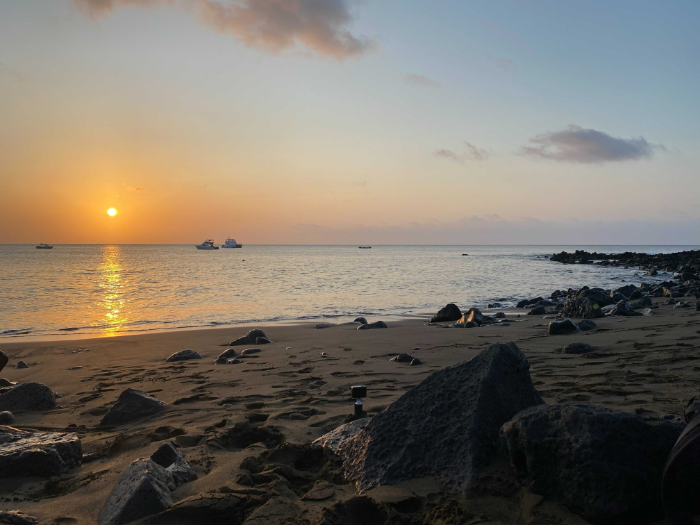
<point>562,327</point>
<point>340,435</point>
<point>14,517</point>
<point>446,427</point>
<point>229,353</point>
<point>369,326</point>
<point>183,355</point>
<point>41,454</point>
<point>586,324</point>
<point>131,405</point>
<point>168,457</point>
<point>254,337</point>
<point>28,396</point>
<point>451,312</point>
<point>586,304</point>
<point>474,315</point>
<point>603,464</point>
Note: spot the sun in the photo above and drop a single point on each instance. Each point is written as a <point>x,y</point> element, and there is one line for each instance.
<point>111,212</point>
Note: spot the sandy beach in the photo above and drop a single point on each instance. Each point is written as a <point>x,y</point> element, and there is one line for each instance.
<point>301,384</point>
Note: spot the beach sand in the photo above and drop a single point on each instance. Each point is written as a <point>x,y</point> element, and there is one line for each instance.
<point>643,365</point>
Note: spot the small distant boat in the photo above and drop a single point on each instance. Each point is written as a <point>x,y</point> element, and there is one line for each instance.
<point>43,246</point>
<point>365,247</point>
<point>207,245</point>
<point>465,255</point>
<point>231,243</point>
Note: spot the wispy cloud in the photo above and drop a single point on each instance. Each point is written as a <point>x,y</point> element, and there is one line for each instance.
<point>273,25</point>
<point>587,146</point>
<point>420,80</point>
<point>502,63</point>
<point>471,152</point>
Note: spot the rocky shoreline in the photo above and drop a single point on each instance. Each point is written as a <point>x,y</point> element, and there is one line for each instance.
<point>570,423</point>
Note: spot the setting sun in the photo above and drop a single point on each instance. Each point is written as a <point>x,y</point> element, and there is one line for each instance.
<point>111,212</point>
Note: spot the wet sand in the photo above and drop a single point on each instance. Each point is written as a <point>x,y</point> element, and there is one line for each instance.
<point>643,365</point>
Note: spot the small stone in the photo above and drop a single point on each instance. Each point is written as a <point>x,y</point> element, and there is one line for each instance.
<point>131,405</point>
<point>28,396</point>
<point>451,312</point>
<point>500,315</point>
<point>21,364</point>
<point>577,348</point>
<point>168,457</point>
<point>538,310</point>
<point>360,320</point>
<point>41,454</point>
<point>250,338</point>
<point>586,324</point>
<point>402,358</point>
<point>251,351</point>
<point>369,326</point>
<point>230,352</point>
<point>6,418</point>
<point>183,355</point>
<point>565,326</point>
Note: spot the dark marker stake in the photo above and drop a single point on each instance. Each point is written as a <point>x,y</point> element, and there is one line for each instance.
<point>358,392</point>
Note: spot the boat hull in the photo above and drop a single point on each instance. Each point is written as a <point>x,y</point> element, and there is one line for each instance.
<point>237,246</point>
<point>207,247</point>
<point>44,247</point>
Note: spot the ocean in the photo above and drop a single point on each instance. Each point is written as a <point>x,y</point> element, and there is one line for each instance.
<point>98,290</point>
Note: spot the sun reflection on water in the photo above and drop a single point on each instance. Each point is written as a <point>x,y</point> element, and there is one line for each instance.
<point>110,281</point>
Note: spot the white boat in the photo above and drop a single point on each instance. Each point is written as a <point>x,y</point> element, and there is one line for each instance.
<point>231,243</point>
<point>207,245</point>
<point>44,246</point>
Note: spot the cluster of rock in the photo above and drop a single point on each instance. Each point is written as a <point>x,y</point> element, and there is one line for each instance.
<point>603,464</point>
<point>254,337</point>
<point>687,263</point>
<point>473,318</point>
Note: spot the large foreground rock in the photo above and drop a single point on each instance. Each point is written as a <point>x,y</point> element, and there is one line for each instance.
<point>28,396</point>
<point>143,489</point>
<point>447,426</point>
<point>603,464</point>
<point>131,405</point>
<point>451,312</point>
<point>336,437</point>
<point>14,517</point>
<point>42,454</point>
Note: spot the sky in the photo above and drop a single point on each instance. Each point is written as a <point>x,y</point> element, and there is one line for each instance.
<point>350,121</point>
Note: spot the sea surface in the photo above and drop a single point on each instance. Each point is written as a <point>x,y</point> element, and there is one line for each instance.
<point>93,290</point>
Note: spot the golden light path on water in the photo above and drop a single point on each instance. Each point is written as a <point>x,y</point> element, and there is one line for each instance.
<point>110,281</point>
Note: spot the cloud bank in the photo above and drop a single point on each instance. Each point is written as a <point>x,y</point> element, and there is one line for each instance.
<point>471,152</point>
<point>587,146</point>
<point>494,230</point>
<point>273,25</point>
<point>420,80</point>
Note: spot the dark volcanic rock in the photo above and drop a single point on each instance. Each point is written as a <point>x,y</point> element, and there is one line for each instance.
<point>626,290</point>
<point>143,489</point>
<point>228,353</point>
<point>562,327</point>
<point>577,348</point>
<point>28,396</point>
<point>586,324</point>
<point>21,364</point>
<point>262,341</point>
<point>537,310</point>
<point>621,308</point>
<point>447,426</point>
<point>586,303</point>
<point>251,338</point>
<point>644,302</point>
<point>604,464</point>
<point>402,358</point>
<point>6,418</point>
<point>183,355</point>
<point>40,454</point>
<point>369,326</point>
<point>14,517</point>
<point>360,320</point>
<point>451,312</point>
<point>168,457</point>
<point>474,315</point>
<point>132,404</point>
<point>415,362</point>
<point>3,360</point>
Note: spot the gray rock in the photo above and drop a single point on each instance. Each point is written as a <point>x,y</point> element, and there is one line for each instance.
<point>251,351</point>
<point>320,326</point>
<point>562,327</point>
<point>224,361</point>
<point>402,358</point>
<point>228,353</point>
<point>652,272</point>
<point>340,435</point>
<point>537,310</point>
<point>131,405</point>
<point>262,341</point>
<point>143,489</point>
<point>249,339</point>
<point>446,427</point>
<point>28,396</point>
<point>14,517</point>
<point>6,418</point>
<point>622,309</point>
<point>577,348</point>
<point>21,364</point>
<point>360,320</point>
<point>474,315</point>
<point>168,457</point>
<point>183,355</point>
<point>451,312</point>
<point>415,362</point>
<point>603,464</point>
<point>684,304</point>
<point>499,315</point>
<point>369,326</point>
<point>41,454</point>
<point>5,382</point>
<point>626,291</point>
<point>644,302</point>
<point>586,324</point>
